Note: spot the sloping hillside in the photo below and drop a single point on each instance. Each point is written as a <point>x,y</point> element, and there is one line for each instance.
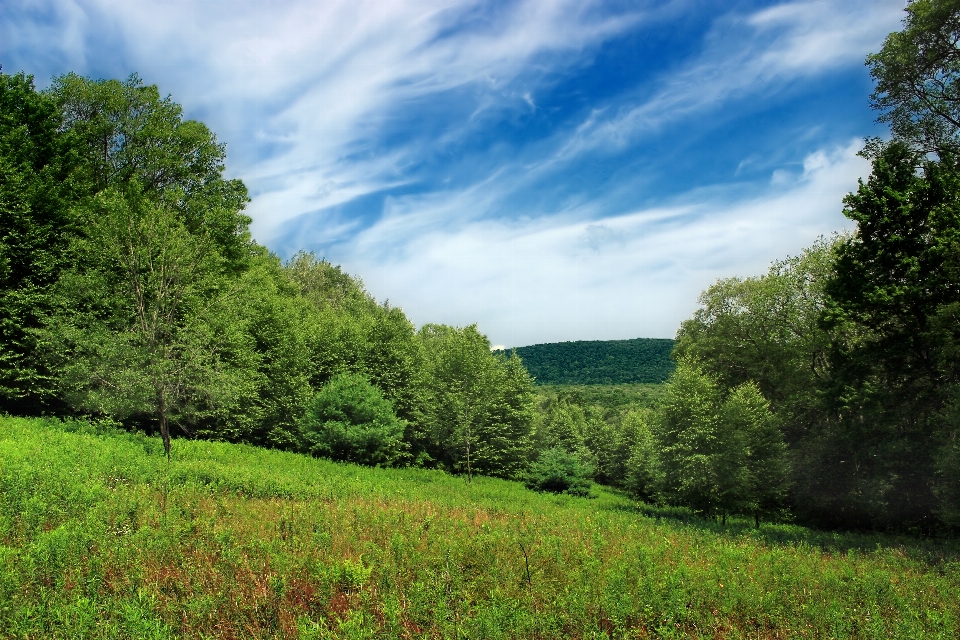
<point>101,537</point>
<point>599,361</point>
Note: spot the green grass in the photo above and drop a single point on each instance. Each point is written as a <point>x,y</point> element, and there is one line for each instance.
<point>101,538</point>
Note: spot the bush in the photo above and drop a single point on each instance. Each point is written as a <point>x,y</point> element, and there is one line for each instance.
<point>559,471</point>
<point>349,420</point>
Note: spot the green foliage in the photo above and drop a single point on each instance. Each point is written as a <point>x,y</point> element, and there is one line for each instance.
<point>761,486</point>
<point>892,287</point>
<point>767,330</point>
<point>686,435</point>
<point>559,471</point>
<point>480,404</point>
<point>137,323</point>
<point>564,426</point>
<point>38,184</point>
<point>715,453</point>
<point>589,362</point>
<point>352,333</point>
<point>917,74</point>
<point>349,420</point>
<point>611,399</point>
<point>236,541</point>
<point>642,472</point>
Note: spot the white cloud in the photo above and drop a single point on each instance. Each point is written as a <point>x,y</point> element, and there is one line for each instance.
<point>747,55</point>
<point>308,84</point>
<point>302,90</point>
<point>625,276</point>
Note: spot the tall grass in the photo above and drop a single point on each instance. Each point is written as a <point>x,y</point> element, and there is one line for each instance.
<point>101,538</point>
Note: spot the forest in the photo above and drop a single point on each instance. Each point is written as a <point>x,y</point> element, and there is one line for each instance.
<point>596,362</point>
<point>824,392</point>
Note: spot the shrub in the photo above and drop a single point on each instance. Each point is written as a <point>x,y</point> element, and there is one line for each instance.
<point>349,420</point>
<point>559,471</point>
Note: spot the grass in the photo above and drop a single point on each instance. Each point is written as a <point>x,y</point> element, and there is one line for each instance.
<point>101,538</point>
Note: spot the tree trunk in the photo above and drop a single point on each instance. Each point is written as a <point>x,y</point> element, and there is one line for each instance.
<point>469,471</point>
<point>164,426</point>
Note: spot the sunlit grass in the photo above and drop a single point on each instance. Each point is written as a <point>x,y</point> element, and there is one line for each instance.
<point>101,538</point>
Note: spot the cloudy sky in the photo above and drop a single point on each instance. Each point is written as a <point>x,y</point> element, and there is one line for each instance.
<point>549,169</point>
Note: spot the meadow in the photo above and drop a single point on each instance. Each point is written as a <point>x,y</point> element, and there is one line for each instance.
<point>101,537</point>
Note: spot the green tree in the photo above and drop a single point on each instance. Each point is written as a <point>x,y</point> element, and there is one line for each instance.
<point>716,453</point>
<point>559,471</point>
<point>349,420</point>
<point>564,426</point>
<point>479,405</point>
<point>642,469</point>
<point>504,436</point>
<point>351,332</point>
<point>136,317</point>
<point>38,185</point>
<point>889,388</point>
<point>754,441</point>
<point>686,434</point>
<point>768,330</point>
<point>460,368</point>
<point>278,328</point>
<point>917,74</point>
<point>161,243</point>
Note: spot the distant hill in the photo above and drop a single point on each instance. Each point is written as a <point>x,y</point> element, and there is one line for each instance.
<point>599,361</point>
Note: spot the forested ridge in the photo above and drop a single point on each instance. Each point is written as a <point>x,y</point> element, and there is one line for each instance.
<point>599,361</point>
<point>824,391</point>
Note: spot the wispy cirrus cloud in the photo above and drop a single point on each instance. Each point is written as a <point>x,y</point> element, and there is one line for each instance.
<point>582,276</point>
<point>528,164</point>
<point>745,57</point>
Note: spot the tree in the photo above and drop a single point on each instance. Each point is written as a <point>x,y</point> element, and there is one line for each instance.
<point>460,369</point>
<point>352,332</point>
<point>714,454</point>
<point>479,405</point>
<point>768,330</point>
<point>756,442</point>
<point>38,185</point>
<point>917,74</point>
<point>504,436</point>
<point>559,471</point>
<point>889,389</point>
<point>349,420</point>
<point>642,469</point>
<point>161,241</point>
<point>126,133</point>
<point>564,426</point>
<point>138,322</point>
<point>686,435</point>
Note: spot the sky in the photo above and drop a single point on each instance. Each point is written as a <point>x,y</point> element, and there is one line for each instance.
<point>550,170</point>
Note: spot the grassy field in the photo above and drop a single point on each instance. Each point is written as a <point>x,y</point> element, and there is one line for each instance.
<point>101,538</point>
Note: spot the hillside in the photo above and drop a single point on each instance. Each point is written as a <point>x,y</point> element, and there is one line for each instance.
<point>599,361</point>
<point>100,537</point>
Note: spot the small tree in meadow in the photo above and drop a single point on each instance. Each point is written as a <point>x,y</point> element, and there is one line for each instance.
<point>559,471</point>
<point>349,420</point>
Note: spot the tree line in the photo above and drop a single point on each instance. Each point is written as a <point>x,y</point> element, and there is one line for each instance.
<point>825,390</point>
<point>592,362</point>
<point>130,289</point>
<point>851,348</point>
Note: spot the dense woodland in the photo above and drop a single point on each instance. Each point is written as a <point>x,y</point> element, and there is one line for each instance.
<point>641,360</point>
<point>826,390</point>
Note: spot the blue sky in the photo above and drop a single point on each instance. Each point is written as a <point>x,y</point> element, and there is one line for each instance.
<point>549,169</point>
